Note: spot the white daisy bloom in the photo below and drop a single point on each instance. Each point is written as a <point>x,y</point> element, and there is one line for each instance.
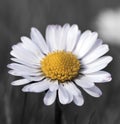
<point>59,63</point>
<point>108,25</point>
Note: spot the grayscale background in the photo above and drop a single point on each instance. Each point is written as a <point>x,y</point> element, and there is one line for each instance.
<point>16,19</point>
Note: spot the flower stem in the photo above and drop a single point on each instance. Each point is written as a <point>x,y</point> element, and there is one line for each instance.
<point>24,108</point>
<point>57,112</point>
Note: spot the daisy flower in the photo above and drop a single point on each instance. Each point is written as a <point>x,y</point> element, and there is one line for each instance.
<point>108,25</point>
<point>60,63</point>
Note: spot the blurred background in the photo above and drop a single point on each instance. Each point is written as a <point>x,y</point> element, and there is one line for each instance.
<point>16,19</point>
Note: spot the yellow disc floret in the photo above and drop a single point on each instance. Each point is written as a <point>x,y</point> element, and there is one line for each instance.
<point>60,65</point>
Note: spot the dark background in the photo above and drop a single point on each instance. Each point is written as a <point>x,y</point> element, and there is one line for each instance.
<point>16,19</point>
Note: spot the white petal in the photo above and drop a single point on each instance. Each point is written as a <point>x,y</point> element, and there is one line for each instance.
<point>22,54</point>
<point>99,64</point>
<point>88,44</point>
<point>12,72</point>
<point>34,78</point>
<point>24,62</point>
<point>98,43</point>
<point>21,70</point>
<point>62,44</point>
<point>64,96</point>
<point>51,38</point>
<point>83,37</point>
<point>30,46</point>
<point>37,87</point>
<point>71,88</point>
<point>100,77</point>
<point>20,82</point>
<point>72,37</point>
<point>21,73</point>
<point>19,67</point>
<point>23,50</point>
<point>78,100</point>
<point>53,86</point>
<point>75,93</point>
<point>38,39</point>
<point>95,54</point>
<point>93,91</point>
<point>81,41</point>
<point>84,82</point>
<point>59,34</point>
<point>49,97</point>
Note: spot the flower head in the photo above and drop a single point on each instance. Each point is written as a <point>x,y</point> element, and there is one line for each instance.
<point>59,63</point>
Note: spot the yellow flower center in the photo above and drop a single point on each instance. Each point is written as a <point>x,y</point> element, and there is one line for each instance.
<point>60,65</point>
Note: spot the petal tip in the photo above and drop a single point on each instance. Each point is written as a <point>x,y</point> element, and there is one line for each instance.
<point>33,28</point>
<point>14,84</point>
<point>25,89</point>
<point>80,104</point>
